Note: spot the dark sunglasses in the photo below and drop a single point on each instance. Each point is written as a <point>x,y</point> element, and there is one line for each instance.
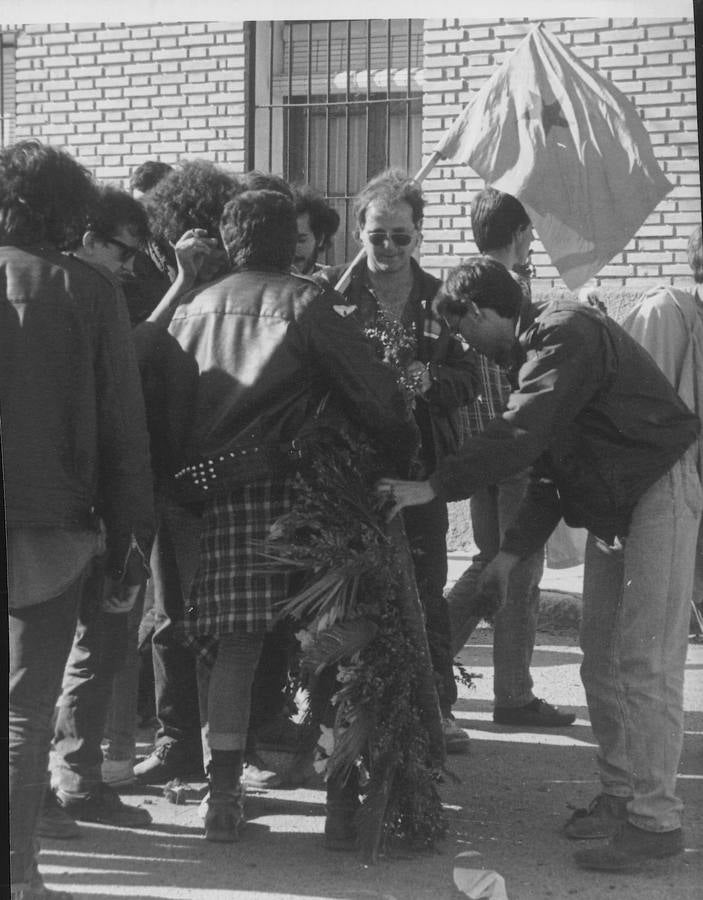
<point>379,238</point>
<point>126,252</point>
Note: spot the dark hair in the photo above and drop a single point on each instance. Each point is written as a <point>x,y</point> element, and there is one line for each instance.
<point>695,254</point>
<point>259,230</point>
<point>324,220</point>
<point>483,281</point>
<point>388,189</point>
<point>113,209</point>
<point>148,174</point>
<point>255,180</point>
<point>495,218</point>
<point>44,195</point>
<point>193,195</point>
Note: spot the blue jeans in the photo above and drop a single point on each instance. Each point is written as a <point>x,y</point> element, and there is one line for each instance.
<point>492,511</point>
<point>39,642</point>
<point>97,654</point>
<point>634,636</point>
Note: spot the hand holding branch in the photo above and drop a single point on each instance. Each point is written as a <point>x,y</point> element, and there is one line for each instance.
<point>404,493</point>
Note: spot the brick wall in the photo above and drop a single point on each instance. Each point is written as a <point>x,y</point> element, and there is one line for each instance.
<point>651,60</point>
<point>118,95</point>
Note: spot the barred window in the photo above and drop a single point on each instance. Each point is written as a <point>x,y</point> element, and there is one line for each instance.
<point>7,88</point>
<point>336,102</point>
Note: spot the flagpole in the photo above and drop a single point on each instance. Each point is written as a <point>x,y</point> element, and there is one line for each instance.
<point>345,278</point>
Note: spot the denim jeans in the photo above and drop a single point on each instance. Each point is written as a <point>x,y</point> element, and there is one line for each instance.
<point>634,636</point>
<point>97,654</point>
<point>39,643</point>
<point>492,511</point>
<point>174,561</point>
<point>426,527</point>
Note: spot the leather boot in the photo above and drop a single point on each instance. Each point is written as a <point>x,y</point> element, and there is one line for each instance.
<point>224,805</point>
<point>342,805</point>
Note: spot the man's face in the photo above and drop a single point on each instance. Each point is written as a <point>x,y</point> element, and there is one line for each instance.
<point>306,248</point>
<point>381,226</point>
<point>115,253</point>
<point>486,331</point>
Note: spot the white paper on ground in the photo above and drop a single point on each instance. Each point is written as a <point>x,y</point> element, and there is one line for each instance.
<point>478,884</point>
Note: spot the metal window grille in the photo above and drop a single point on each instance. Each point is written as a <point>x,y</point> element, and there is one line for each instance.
<point>7,89</point>
<point>334,103</point>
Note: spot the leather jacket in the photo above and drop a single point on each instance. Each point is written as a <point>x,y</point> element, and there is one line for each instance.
<point>269,346</point>
<point>596,417</point>
<point>453,369</point>
<point>75,445</point>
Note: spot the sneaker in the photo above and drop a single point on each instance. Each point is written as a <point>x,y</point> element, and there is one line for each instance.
<point>169,760</point>
<point>104,807</point>
<point>54,821</point>
<point>456,740</point>
<point>536,714</point>
<point>630,849</point>
<point>602,818</point>
<point>118,772</point>
<point>256,775</point>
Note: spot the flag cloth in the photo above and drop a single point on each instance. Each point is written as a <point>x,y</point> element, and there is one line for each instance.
<point>569,145</point>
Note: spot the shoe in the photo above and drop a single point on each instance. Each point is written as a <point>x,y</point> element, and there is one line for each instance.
<point>456,740</point>
<point>630,849</point>
<point>256,775</point>
<point>602,818</point>
<point>224,814</point>
<point>104,807</point>
<point>279,733</point>
<point>536,714</point>
<point>169,760</point>
<point>54,821</point>
<point>118,772</point>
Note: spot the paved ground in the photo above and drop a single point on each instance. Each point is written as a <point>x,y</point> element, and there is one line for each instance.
<point>514,793</point>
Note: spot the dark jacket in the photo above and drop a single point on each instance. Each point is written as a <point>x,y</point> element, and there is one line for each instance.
<point>75,443</point>
<point>596,416</point>
<point>269,347</point>
<point>454,370</point>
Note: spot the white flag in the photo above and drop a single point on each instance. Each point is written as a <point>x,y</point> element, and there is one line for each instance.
<point>569,145</point>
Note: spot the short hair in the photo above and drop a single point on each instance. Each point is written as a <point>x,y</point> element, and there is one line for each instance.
<point>324,220</point>
<point>45,195</point>
<point>695,254</point>
<point>148,175</point>
<point>387,189</point>
<point>256,180</point>
<point>113,209</point>
<point>259,230</point>
<point>495,218</point>
<point>483,281</point>
<point>193,195</point>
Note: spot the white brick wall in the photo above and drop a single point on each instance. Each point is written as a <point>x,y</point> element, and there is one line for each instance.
<point>118,95</point>
<point>652,62</point>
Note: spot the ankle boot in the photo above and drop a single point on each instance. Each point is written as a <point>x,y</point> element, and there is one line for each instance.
<point>342,804</point>
<point>224,806</point>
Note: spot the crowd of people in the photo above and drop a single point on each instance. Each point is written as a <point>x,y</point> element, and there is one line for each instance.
<point>163,350</point>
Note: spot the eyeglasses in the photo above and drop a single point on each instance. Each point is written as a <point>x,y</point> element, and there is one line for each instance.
<point>126,251</point>
<point>379,238</point>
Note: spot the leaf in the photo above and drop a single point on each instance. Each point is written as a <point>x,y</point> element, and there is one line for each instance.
<point>343,639</point>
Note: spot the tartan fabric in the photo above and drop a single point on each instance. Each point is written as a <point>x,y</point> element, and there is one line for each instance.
<point>495,390</point>
<point>232,590</point>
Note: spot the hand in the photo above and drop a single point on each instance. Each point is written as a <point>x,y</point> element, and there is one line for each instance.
<point>193,250</point>
<point>404,493</point>
<point>492,585</point>
<point>421,372</point>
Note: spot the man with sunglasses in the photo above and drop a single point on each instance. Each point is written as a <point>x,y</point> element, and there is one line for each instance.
<point>389,284</point>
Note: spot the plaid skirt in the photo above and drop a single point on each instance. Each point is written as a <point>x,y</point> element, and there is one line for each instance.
<point>233,589</point>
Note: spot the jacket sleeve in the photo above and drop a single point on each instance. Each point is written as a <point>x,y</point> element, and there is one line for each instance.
<point>563,371</point>
<point>536,517</point>
<point>125,483</point>
<point>455,379</point>
<point>365,387</point>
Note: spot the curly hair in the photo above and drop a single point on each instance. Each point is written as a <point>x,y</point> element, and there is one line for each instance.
<point>148,175</point>
<point>113,209</point>
<point>386,190</point>
<point>191,196</point>
<point>259,230</point>
<point>45,195</point>
<point>324,220</point>
<point>483,281</point>
<point>256,180</point>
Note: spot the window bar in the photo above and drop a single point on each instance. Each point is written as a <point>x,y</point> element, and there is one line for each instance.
<point>309,107</point>
<point>289,101</point>
<point>327,108</point>
<point>272,25</point>
<point>346,135</point>
<point>368,96</point>
<point>408,100</point>
<point>2,92</point>
<point>389,62</point>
